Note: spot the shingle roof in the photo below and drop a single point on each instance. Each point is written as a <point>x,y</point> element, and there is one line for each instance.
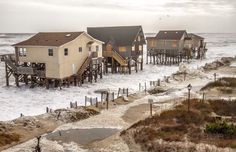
<point>50,39</point>
<point>170,35</point>
<point>194,35</point>
<point>122,35</point>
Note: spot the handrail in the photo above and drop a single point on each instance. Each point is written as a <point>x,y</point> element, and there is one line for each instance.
<point>83,66</point>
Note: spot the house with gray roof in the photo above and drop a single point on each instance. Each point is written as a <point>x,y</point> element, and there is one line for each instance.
<point>123,47</point>
<point>173,46</point>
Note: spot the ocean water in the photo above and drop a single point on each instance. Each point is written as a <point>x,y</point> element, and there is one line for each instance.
<point>14,101</point>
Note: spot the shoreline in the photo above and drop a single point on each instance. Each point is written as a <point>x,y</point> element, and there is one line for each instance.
<point>137,96</point>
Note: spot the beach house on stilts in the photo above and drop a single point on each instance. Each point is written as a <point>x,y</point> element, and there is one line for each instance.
<point>174,46</point>
<point>54,59</point>
<point>123,47</point>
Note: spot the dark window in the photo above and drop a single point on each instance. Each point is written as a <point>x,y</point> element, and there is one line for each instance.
<point>50,52</point>
<point>97,48</point>
<point>66,52</point>
<point>80,49</point>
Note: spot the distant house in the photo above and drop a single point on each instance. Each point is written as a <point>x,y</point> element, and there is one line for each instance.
<point>197,45</point>
<point>123,47</point>
<point>172,46</point>
<point>56,57</point>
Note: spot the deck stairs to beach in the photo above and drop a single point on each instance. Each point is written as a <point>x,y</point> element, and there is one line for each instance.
<point>115,56</point>
<point>84,67</point>
<point>9,59</point>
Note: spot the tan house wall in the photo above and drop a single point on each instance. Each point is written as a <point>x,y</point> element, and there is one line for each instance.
<point>39,54</point>
<point>60,66</point>
<point>70,64</point>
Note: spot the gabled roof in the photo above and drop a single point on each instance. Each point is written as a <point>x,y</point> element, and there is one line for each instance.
<point>170,35</point>
<point>195,35</point>
<point>121,35</point>
<point>50,39</point>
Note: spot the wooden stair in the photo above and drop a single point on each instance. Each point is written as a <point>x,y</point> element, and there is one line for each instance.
<point>115,56</point>
<point>83,67</point>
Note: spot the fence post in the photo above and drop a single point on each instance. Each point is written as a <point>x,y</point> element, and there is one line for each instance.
<point>71,106</point>
<point>118,92</point>
<point>96,101</point>
<point>127,92</point>
<point>203,96</point>
<point>76,104</point>
<point>85,101</point>
<point>145,87</point>
<point>215,77</point>
<point>158,82</point>
<point>107,100</point>
<point>150,101</point>
<point>91,101</point>
<point>107,104</point>
<point>113,96</point>
<point>47,110</point>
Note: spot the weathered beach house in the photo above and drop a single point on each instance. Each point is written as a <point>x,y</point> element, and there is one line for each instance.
<point>123,47</point>
<point>173,46</point>
<point>55,59</point>
<point>197,45</point>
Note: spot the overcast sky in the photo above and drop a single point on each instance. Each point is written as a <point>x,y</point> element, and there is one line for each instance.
<point>75,15</point>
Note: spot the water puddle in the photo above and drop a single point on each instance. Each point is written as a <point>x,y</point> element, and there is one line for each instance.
<point>81,136</point>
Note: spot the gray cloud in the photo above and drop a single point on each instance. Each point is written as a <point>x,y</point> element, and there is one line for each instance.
<point>44,15</point>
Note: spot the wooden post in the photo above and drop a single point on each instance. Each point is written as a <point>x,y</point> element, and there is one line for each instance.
<point>7,74</point>
<point>119,92</point>
<point>215,77</point>
<point>203,96</point>
<point>17,80</point>
<point>158,82</point>
<point>112,65</point>
<point>145,87</point>
<point>76,105</point>
<point>113,96</point>
<point>101,96</point>
<point>129,66</point>
<point>141,66</point>
<point>85,101</point>
<point>127,92</point>
<point>71,106</point>
<point>96,101</point>
<point>185,75</point>
<point>150,101</point>
<point>107,100</point>
<point>47,110</point>
<point>91,101</point>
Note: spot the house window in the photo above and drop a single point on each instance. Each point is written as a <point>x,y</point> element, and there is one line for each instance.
<point>133,48</point>
<point>50,52</point>
<point>97,48</point>
<point>140,47</point>
<point>174,44</point>
<point>22,52</point>
<point>80,49</point>
<point>66,52</point>
<point>139,38</point>
<point>152,43</point>
<point>122,49</point>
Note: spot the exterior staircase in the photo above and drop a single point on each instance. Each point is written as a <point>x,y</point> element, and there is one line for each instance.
<point>116,56</point>
<point>83,67</point>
